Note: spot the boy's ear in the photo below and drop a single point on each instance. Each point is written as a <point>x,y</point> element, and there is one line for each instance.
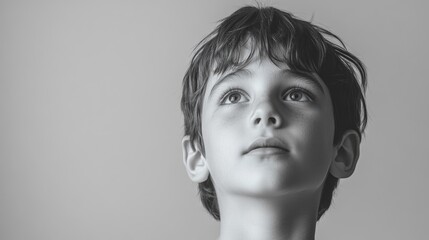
<point>346,156</point>
<point>194,161</point>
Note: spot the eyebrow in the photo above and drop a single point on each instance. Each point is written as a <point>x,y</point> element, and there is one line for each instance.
<point>229,76</point>
<point>307,77</point>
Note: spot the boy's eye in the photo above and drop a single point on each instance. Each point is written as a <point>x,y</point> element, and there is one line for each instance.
<point>297,95</point>
<point>233,96</point>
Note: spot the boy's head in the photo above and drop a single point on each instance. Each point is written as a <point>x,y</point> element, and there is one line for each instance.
<point>263,75</point>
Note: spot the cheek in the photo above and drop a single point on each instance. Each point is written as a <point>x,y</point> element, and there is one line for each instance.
<point>312,128</point>
<point>314,147</point>
<point>225,122</point>
<point>223,134</point>
<point>318,139</point>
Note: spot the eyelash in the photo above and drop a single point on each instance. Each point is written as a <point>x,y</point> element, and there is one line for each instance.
<point>228,91</point>
<point>299,88</point>
<point>290,89</point>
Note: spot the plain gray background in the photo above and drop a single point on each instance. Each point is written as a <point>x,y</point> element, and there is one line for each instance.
<point>91,127</point>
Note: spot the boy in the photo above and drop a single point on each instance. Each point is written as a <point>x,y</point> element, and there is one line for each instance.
<point>274,115</point>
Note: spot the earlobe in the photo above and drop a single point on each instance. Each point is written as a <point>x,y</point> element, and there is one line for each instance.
<point>346,156</point>
<point>194,161</point>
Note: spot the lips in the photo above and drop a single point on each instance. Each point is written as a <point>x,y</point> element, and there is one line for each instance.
<point>267,143</point>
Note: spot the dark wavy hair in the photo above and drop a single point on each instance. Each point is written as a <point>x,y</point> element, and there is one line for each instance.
<point>282,38</point>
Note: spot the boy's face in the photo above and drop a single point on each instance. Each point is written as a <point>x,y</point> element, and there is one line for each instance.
<point>269,102</point>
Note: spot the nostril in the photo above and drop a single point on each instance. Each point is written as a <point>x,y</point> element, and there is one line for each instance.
<point>257,120</point>
<point>273,120</point>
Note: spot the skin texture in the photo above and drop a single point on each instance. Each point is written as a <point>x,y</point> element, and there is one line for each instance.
<point>303,122</point>
<point>268,193</point>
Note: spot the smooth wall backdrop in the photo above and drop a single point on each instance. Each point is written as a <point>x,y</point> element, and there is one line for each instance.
<point>91,127</point>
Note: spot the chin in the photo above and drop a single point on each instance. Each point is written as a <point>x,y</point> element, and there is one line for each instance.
<point>274,186</point>
<point>266,187</point>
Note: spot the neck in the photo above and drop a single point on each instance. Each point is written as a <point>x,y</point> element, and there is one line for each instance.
<point>244,217</point>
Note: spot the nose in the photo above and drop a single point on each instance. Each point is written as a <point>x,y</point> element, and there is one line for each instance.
<point>265,115</point>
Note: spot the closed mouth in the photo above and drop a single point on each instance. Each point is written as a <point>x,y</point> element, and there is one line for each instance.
<point>267,145</point>
<point>268,150</point>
